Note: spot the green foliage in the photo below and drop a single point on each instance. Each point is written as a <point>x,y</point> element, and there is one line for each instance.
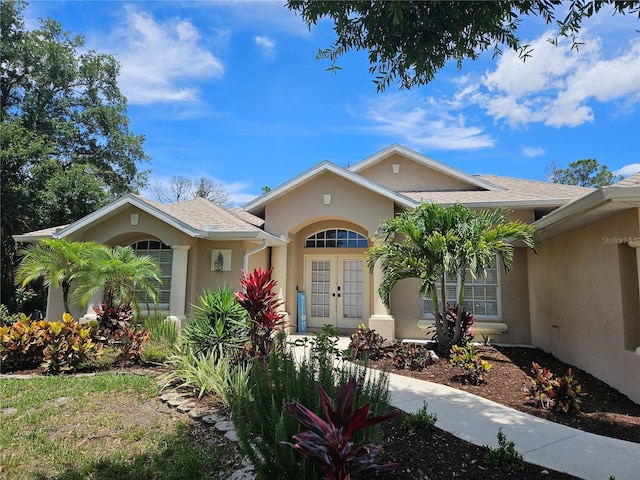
<point>58,262</point>
<point>437,241</point>
<point>162,330</point>
<point>7,319</point>
<point>121,274</point>
<point>411,356</point>
<point>57,346</point>
<point>420,420</point>
<point>258,406</point>
<point>105,358</point>
<point>205,374</point>
<point>584,173</point>
<point>65,143</point>
<point>469,360</point>
<point>505,456</point>
<point>155,353</point>
<point>220,325</point>
<point>409,42</point>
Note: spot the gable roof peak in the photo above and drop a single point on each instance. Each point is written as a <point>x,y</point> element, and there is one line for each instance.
<point>426,161</point>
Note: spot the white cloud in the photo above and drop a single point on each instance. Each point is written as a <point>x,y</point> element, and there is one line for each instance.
<point>423,123</point>
<point>627,170</point>
<point>161,61</point>
<point>533,151</point>
<point>557,86</point>
<point>267,47</point>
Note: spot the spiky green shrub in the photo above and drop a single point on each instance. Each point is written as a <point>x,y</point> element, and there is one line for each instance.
<point>262,422</point>
<point>162,330</point>
<point>505,456</point>
<point>219,327</point>
<point>203,373</point>
<point>420,420</point>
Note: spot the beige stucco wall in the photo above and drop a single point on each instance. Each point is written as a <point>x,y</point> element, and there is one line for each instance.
<point>413,176</point>
<point>584,300</point>
<point>119,231</point>
<point>302,212</point>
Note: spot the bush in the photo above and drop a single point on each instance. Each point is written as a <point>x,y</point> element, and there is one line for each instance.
<point>261,421</point>
<point>162,330</point>
<point>505,456</point>
<point>328,443</point>
<point>204,374</point>
<point>540,386</point>
<point>365,344</point>
<point>262,304</point>
<point>56,346</point>
<point>7,319</point>
<point>219,326</point>
<point>420,420</point>
<point>469,360</point>
<point>564,392</point>
<point>155,353</point>
<point>412,356</point>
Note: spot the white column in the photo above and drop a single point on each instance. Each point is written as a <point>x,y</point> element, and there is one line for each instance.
<point>279,263</point>
<point>91,315</point>
<point>381,320</point>
<point>177,297</point>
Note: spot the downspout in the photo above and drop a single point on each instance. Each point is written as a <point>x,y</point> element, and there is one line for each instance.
<point>245,258</point>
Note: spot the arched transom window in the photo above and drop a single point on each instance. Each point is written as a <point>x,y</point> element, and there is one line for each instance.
<point>336,238</point>
<point>163,255</point>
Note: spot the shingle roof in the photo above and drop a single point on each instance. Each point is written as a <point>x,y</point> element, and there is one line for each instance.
<point>201,214</point>
<point>630,181</point>
<point>515,191</point>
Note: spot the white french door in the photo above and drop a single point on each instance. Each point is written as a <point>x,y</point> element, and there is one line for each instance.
<point>337,289</point>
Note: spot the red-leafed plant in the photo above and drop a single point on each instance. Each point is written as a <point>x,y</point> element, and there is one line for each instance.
<point>328,443</point>
<point>261,302</point>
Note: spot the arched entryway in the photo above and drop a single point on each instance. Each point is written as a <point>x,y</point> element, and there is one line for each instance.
<point>336,279</point>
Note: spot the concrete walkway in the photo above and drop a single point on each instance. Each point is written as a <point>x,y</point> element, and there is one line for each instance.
<point>541,442</point>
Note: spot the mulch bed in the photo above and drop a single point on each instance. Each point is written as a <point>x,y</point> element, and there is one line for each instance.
<point>605,411</point>
<point>431,455</point>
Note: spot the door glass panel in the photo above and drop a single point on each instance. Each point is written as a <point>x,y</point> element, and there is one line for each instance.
<point>352,299</point>
<point>320,288</point>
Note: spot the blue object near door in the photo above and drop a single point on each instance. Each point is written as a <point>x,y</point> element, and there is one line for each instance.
<point>302,312</point>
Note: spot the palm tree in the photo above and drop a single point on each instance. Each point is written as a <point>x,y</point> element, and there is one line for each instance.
<point>430,242</point>
<point>57,261</point>
<point>122,274</point>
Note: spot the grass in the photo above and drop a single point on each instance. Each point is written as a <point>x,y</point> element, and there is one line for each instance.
<point>85,427</point>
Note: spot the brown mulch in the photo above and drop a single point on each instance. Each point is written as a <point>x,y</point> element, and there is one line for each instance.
<point>438,454</point>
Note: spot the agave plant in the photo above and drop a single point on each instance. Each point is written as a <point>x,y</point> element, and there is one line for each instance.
<point>328,443</point>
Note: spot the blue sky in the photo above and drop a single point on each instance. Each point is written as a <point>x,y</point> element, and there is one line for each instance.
<point>232,91</point>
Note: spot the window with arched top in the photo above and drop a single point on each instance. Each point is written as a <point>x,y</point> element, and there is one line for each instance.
<point>163,255</point>
<point>336,238</point>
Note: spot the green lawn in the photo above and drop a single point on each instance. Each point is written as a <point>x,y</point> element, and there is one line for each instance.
<point>108,426</point>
